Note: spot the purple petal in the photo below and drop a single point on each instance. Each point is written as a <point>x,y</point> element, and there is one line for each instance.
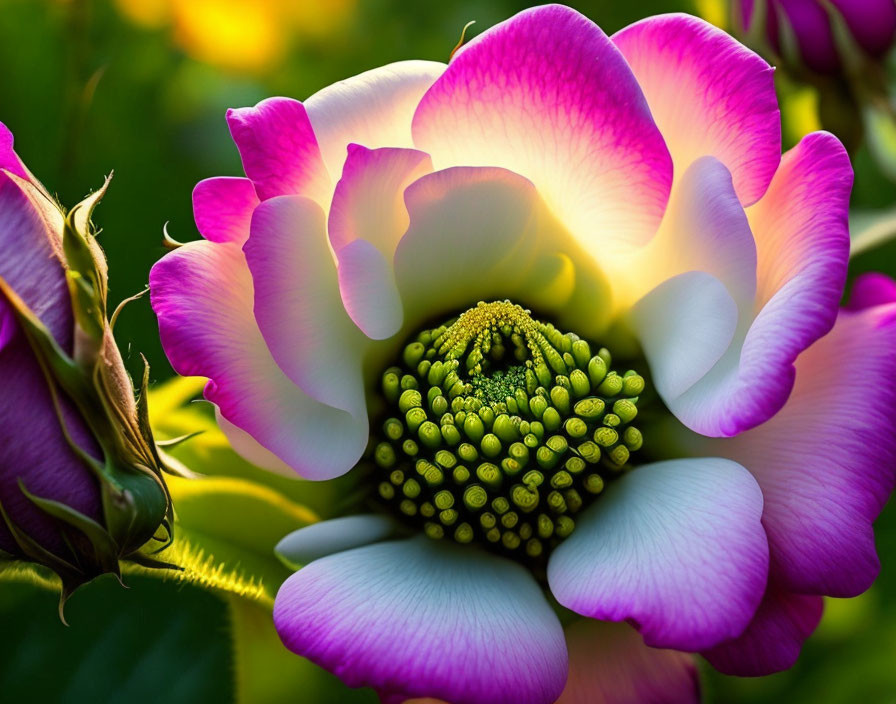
<point>546,94</point>
<point>279,150</point>
<point>203,296</point>
<point>31,241</point>
<point>675,548</point>
<point>773,640</point>
<point>609,663</point>
<point>222,208</point>
<point>709,95</point>
<point>32,446</point>
<point>872,23</point>
<point>420,618</point>
<point>826,461</point>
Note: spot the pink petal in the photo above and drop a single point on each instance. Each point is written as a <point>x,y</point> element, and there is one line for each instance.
<point>705,257</point>
<point>871,289</point>
<point>279,150</point>
<point>222,208</point>
<point>297,304</point>
<point>547,95</point>
<point>368,216</point>
<point>709,95</point>
<point>368,202</point>
<point>675,548</point>
<point>826,461</point>
<point>374,108</point>
<point>773,640</point>
<point>418,618</point>
<point>202,294</point>
<point>609,664</point>
<point>9,160</point>
<point>802,242</point>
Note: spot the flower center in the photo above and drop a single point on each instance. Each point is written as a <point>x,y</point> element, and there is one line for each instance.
<point>501,429</point>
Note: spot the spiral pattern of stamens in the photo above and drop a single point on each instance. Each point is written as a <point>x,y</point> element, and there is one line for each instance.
<point>501,429</point>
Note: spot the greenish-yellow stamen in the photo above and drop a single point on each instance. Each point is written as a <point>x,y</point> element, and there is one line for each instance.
<point>501,429</point>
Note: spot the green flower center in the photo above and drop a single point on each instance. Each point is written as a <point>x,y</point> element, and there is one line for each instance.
<point>501,429</point>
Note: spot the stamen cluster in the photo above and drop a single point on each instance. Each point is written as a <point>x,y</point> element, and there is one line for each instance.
<point>501,429</point>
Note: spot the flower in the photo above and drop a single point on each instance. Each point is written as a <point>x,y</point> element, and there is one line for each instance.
<point>80,482</point>
<point>870,28</point>
<point>383,276</point>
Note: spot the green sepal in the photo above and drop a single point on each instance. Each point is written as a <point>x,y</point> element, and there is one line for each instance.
<point>70,576</point>
<point>135,501</point>
<point>104,548</point>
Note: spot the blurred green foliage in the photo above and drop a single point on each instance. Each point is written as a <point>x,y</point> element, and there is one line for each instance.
<point>86,90</point>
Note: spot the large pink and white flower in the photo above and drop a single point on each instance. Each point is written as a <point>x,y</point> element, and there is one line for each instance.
<point>631,189</point>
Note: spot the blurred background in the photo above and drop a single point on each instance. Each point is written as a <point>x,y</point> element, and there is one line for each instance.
<point>141,87</point>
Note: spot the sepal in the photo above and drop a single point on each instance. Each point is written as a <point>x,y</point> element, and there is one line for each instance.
<point>135,502</point>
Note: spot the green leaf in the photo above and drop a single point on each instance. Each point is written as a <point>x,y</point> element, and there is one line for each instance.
<point>174,411</point>
<point>225,532</point>
<point>267,672</point>
<point>143,645</point>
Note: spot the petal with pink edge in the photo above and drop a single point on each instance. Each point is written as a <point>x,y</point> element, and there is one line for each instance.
<point>407,617</point>
<point>367,218</point>
<point>297,303</point>
<point>279,150</point>
<point>802,243</point>
<point>485,234</point>
<point>9,160</point>
<point>546,94</point>
<point>202,294</point>
<point>709,95</point>
<point>609,664</point>
<point>222,208</point>
<point>871,289</point>
<point>826,460</point>
<point>374,108</point>
<point>368,202</point>
<point>675,548</point>
<point>774,638</point>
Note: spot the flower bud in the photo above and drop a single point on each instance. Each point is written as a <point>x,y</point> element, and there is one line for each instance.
<point>820,37</point>
<point>80,476</point>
